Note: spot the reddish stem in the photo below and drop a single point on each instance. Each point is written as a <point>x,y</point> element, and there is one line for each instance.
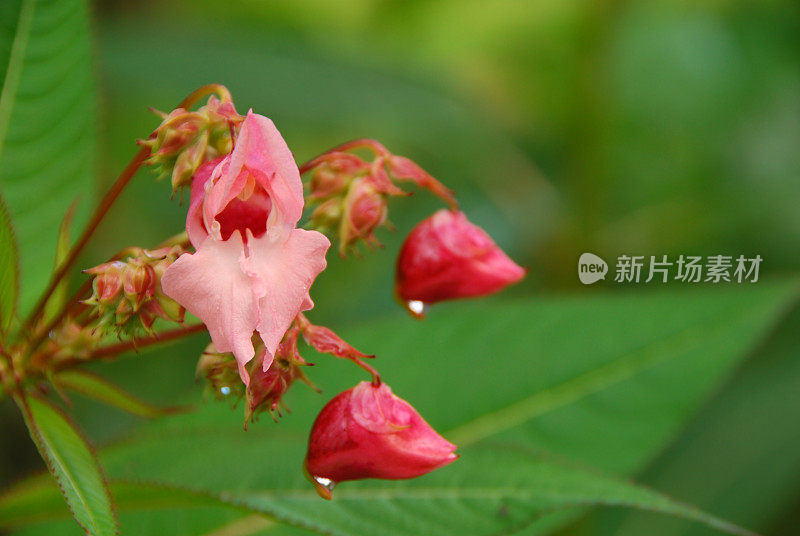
<point>72,303</point>
<point>363,143</point>
<point>99,213</point>
<point>105,205</point>
<point>166,336</point>
<point>376,377</point>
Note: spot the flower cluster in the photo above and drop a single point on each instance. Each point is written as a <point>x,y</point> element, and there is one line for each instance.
<point>185,139</point>
<point>127,294</point>
<point>351,193</point>
<point>242,272</point>
<point>249,271</point>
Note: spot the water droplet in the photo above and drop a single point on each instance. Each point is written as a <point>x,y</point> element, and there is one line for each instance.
<point>324,486</point>
<point>416,308</point>
<point>225,390</point>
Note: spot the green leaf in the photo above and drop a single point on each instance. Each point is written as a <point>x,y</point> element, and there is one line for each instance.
<point>47,126</point>
<point>72,463</point>
<point>38,500</point>
<point>35,507</point>
<point>62,250</point>
<point>606,381</point>
<point>494,490</point>
<point>9,269</point>
<point>93,386</point>
<point>761,442</point>
<point>528,486</point>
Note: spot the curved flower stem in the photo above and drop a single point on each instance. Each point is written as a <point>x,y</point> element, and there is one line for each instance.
<point>376,377</point>
<point>203,91</point>
<point>105,205</point>
<point>99,213</point>
<point>363,143</point>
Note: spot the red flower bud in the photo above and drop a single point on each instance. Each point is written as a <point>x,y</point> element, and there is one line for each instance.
<point>108,281</point>
<point>268,387</point>
<point>447,257</point>
<point>333,174</point>
<point>364,210</point>
<point>368,432</point>
<point>138,282</point>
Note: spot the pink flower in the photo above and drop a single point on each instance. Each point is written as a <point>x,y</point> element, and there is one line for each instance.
<point>368,432</point>
<point>253,269</point>
<point>447,257</point>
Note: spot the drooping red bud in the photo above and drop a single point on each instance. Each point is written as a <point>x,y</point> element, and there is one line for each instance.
<point>268,387</point>
<point>368,432</point>
<point>446,257</point>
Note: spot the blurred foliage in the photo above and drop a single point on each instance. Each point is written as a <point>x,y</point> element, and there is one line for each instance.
<point>648,128</point>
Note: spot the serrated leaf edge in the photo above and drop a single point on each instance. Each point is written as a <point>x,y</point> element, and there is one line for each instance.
<point>35,434</point>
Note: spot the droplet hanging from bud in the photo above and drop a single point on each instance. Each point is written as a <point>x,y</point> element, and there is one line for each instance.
<point>324,486</point>
<point>368,432</point>
<point>416,308</point>
<point>446,257</point>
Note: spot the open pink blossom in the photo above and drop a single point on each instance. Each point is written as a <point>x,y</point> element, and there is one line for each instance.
<point>253,269</point>
<point>368,432</point>
<point>446,257</point>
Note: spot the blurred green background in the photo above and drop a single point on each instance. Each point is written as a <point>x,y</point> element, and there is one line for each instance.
<point>649,128</point>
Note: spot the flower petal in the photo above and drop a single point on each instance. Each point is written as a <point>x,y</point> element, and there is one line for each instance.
<point>195,227</point>
<point>212,286</point>
<point>260,154</point>
<point>281,275</point>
